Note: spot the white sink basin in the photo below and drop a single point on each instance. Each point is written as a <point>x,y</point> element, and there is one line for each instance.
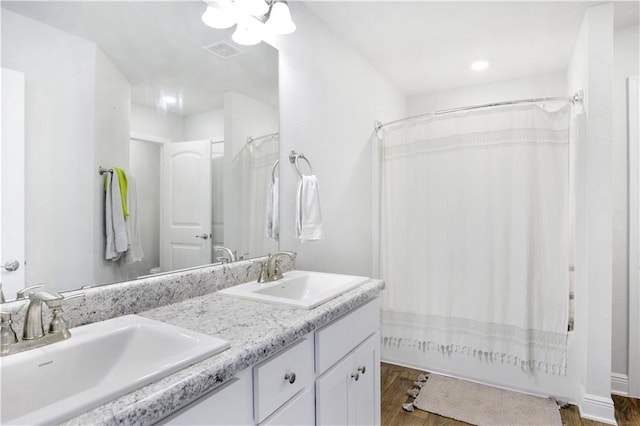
<point>302,289</point>
<point>99,363</point>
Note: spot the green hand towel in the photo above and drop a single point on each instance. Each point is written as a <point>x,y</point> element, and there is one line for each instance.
<point>122,180</point>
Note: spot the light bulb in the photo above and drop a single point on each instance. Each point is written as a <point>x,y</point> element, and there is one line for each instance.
<point>248,32</point>
<point>169,100</point>
<point>480,65</point>
<point>218,14</point>
<point>280,21</point>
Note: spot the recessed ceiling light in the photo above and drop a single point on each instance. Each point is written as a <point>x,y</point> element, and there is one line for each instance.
<point>480,65</point>
<point>169,100</point>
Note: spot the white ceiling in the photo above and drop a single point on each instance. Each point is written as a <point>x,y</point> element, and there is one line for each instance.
<point>158,47</point>
<point>421,46</point>
<point>426,46</point>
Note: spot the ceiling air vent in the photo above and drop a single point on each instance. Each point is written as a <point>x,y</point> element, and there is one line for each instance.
<point>222,50</point>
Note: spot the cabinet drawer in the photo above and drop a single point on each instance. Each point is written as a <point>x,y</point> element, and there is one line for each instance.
<point>335,340</point>
<point>270,387</point>
<point>228,405</point>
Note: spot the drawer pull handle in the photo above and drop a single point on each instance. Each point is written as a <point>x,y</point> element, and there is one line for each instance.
<point>291,377</point>
<point>362,369</point>
<point>355,376</point>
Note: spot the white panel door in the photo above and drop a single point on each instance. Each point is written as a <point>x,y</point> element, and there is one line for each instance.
<point>334,397</point>
<point>367,392</point>
<point>12,182</point>
<point>186,205</point>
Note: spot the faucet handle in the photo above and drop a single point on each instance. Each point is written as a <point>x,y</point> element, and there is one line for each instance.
<point>58,323</point>
<point>7,334</point>
<point>25,292</point>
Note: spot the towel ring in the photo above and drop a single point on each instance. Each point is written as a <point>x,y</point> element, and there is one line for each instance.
<point>294,157</point>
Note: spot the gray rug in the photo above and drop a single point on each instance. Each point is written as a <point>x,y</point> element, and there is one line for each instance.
<point>485,405</point>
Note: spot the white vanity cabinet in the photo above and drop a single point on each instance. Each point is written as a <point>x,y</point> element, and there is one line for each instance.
<point>331,376</point>
<point>348,369</point>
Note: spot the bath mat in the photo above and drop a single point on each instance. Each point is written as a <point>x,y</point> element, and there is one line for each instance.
<point>485,405</point>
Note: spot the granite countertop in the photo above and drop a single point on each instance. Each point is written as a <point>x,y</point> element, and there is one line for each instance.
<point>254,330</point>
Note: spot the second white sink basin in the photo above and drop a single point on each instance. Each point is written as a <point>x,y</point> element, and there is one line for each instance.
<point>303,289</point>
<point>100,362</point>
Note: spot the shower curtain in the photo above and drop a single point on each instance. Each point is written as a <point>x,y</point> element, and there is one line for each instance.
<point>256,161</point>
<point>474,235</point>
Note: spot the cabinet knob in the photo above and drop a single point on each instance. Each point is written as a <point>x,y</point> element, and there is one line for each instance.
<point>290,377</point>
<point>362,369</point>
<point>355,376</point>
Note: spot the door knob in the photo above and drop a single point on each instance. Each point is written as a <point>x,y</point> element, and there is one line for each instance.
<point>11,265</point>
<point>203,236</point>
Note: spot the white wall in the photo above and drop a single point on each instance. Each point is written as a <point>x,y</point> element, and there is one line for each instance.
<point>145,160</point>
<point>329,99</point>
<point>533,87</point>
<point>206,125</point>
<point>591,69</point>
<point>626,64</point>
<point>59,74</point>
<point>111,149</point>
<point>147,121</point>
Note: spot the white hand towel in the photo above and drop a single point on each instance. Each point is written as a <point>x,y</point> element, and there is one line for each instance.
<point>308,219</point>
<point>272,213</point>
<point>115,229</point>
<point>134,253</point>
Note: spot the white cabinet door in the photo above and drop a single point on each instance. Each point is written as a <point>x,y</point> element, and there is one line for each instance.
<point>349,393</point>
<point>333,395</point>
<point>367,387</point>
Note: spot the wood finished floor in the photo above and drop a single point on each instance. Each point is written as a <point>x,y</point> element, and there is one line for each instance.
<point>397,380</point>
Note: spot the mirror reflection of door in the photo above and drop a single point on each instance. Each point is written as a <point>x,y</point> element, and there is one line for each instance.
<point>12,183</point>
<point>186,201</point>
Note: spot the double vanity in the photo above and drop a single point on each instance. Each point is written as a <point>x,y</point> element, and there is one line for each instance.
<point>208,346</point>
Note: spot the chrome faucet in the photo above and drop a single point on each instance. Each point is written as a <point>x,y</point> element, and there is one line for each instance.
<point>34,335</point>
<point>231,255</point>
<point>270,270</point>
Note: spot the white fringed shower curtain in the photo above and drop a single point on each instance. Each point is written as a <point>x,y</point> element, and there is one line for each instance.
<point>474,235</point>
<point>257,160</point>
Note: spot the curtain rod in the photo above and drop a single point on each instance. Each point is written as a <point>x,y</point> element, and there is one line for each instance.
<point>577,97</point>
<point>270,135</point>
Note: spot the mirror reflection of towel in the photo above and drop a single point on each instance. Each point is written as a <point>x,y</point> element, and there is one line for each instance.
<point>134,251</point>
<point>272,213</point>
<point>308,218</point>
<point>115,229</point>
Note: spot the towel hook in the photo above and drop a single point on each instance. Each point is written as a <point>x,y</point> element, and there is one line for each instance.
<point>294,157</point>
<point>102,170</point>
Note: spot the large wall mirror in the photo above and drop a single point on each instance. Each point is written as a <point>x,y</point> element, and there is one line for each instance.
<point>191,117</point>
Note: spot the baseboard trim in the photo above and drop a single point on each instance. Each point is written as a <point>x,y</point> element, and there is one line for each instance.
<point>598,408</point>
<point>619,384</point>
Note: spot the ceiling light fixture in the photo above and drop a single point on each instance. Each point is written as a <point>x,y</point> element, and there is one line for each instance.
<point>480,65</point>
<point>169,100</point>
<point>253,18</point>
